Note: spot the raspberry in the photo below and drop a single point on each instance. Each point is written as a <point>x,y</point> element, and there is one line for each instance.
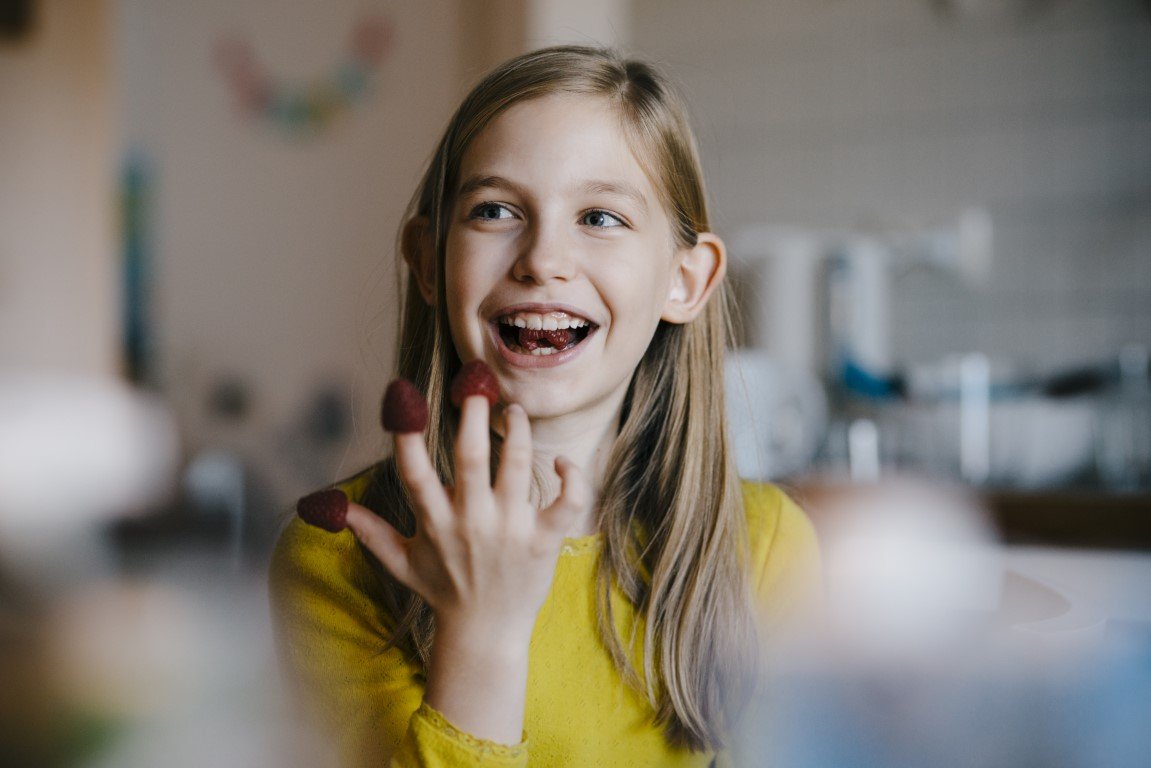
<point>324,509</point>
<point>531,338</point>
<point>475,378</point>
<point>404,408</point>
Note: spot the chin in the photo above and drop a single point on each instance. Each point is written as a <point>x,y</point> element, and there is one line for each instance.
<point>544,406</point>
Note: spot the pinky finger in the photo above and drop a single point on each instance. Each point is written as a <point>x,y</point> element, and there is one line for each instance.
<point>383,541</point>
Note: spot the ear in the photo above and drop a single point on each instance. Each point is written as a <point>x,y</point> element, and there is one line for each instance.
<point>418,246</point>
<point>700,270</point>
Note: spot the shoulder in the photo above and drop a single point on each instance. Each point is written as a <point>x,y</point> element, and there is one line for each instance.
<point>311,566</point>
<point>298,538</point>
<point>783,548</point>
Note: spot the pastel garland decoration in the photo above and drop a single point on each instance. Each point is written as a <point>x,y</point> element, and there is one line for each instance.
<point>307,108</point>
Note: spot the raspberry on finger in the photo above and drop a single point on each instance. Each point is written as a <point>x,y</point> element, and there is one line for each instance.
<point>326,509</point>
<point>404,408</point>
<point>475,378</point>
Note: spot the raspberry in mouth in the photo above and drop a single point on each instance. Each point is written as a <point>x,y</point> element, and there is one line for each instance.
<point>532,334</point>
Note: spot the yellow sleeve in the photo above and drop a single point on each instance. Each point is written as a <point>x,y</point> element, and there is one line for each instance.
<point>333,640</point>
<point>785,556</point>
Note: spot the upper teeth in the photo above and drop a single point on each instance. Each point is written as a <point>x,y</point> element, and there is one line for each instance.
<point>549,322</point>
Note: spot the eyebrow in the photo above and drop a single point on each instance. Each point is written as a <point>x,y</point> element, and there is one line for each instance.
<point>485,182</point>
<point>620,189</point>
<point>594,187</point>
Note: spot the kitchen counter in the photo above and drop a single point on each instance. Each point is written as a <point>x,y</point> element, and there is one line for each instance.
<point>1079,519</point>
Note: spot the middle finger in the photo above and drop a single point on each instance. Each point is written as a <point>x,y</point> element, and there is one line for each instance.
<point>473,448</point>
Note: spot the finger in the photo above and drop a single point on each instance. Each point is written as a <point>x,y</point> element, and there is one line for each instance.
<point>420,477</point>
<point>473,448</point>
<point>574,498</point>
<point>383,541</point>
<point>513,478</point>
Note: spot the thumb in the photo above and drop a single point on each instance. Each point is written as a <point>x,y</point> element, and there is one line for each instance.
<point>575,495</point>
<point>382,540</point>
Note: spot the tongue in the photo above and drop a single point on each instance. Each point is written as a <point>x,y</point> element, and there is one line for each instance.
<point>531,338</point>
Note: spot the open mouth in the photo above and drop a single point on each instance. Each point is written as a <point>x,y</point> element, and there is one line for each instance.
<point>530,333</point>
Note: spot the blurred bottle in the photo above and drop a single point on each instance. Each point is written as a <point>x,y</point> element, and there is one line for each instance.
<point>1123,438</point>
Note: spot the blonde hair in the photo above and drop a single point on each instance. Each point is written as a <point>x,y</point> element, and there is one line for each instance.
<point>671,508</point>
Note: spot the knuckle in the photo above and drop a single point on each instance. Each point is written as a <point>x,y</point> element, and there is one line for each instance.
<point>420,474</point>
<point>471,454</point>
<point>517,453</point>
<point>425,498</point>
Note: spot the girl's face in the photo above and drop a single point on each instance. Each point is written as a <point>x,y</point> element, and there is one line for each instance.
<point>560,256</point>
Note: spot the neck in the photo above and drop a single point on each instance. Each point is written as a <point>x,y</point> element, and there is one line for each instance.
<point>586,439</point>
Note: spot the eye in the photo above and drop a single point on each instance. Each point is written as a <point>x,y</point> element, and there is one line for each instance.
<point>602,219</point>
<point>491,212</point>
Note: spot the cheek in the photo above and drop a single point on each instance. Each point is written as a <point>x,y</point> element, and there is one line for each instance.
<point>455,296</point>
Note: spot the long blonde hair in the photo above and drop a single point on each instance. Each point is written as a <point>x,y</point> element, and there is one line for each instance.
<point>671,508</point>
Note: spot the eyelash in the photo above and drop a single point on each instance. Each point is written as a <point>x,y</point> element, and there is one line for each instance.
<point>622,223</point>
<point>475,214</point>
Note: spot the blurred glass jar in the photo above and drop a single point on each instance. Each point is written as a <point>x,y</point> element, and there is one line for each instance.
<point>1123,432</point>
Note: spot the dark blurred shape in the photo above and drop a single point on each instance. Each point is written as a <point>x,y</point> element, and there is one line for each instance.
<point>1078,381</point>
<point>1073,518</point>
<point>28,711</point>
<point>16,17</point>
<point>326,419</point>
<point>135,208</point>
<point>229,399</point>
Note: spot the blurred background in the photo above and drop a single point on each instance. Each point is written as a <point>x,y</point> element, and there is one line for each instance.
<point>939,220</point>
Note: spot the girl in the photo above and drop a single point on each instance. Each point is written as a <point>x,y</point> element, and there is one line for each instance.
<point>576,580</point>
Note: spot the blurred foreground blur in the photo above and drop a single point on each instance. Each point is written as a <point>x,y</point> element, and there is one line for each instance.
<point>133,629</point>
<point>938,646</point>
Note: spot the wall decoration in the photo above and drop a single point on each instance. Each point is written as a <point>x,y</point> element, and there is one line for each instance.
<point>306,108</point>
<point>136,190</point>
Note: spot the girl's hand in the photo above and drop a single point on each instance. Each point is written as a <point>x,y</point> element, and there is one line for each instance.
<point>482,556</point>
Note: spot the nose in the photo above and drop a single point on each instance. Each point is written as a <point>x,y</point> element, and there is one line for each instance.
<point>545,255</point>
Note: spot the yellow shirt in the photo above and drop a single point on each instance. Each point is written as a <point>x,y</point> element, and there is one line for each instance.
<point>579,711</point>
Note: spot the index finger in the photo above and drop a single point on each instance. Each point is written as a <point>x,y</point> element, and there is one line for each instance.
<point>420,477</point>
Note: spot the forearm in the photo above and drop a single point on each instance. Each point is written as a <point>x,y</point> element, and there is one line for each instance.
<point>478,678</point>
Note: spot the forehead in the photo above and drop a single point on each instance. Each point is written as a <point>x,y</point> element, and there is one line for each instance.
<point>559,139</point>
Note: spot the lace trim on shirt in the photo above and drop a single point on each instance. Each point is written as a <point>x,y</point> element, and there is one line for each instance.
<point>494,748</point>
<point>582,545</point>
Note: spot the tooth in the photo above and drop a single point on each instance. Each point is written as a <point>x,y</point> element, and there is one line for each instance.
<point>535,322</point>
<point>520,322</point>
<point>551,324</point>
<point>563,324</point>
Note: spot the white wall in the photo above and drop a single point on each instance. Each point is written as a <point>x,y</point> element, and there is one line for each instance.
<point>588,22</point>
<point>885,113</point>
<point>58,265</point>
<point>274,255</point>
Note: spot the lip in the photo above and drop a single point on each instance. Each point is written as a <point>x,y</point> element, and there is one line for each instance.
<point>538,361</point>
